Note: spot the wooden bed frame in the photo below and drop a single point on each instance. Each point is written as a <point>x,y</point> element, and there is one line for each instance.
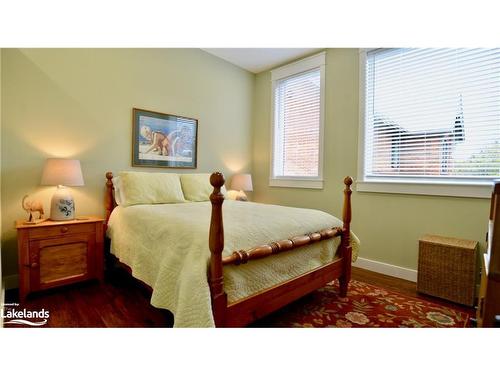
<point>244,311</point>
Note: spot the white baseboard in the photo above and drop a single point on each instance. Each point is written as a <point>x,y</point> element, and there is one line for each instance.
<point>11,282</point>
<point>386,269</point>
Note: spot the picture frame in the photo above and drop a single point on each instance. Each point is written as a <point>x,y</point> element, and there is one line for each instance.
<point>163,140</point>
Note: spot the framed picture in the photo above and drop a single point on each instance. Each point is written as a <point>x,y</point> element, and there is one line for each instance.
<point>163,140</point>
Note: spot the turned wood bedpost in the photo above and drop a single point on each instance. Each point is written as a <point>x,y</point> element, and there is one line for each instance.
<point>346,249</point>
<point>216,244</point>
<point>109,200</point>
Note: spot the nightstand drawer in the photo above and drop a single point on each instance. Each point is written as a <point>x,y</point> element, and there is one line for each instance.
<point>58,230</point>
<point>61,260</point>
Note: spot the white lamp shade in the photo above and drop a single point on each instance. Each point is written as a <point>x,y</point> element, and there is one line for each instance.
<point>242,182</point>
<point>67,172</point>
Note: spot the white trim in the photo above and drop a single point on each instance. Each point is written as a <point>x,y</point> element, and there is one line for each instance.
<point>322,102</point>
<point>299,66</point>
<point>311,62</point>
<point>387,269</point>
<point>361,114</point>
<point>11,282</point>
<point>273,141</point>
<point>296,183</point>
<point>431,188</point>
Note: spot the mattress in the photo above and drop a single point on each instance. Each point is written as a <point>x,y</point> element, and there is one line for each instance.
<point>166,246</point>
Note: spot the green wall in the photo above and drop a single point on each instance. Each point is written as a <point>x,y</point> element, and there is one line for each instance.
<point>77,103</point>
<point>388,225</point>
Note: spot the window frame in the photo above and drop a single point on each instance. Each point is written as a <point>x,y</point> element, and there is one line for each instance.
<point>453,187</point>
<point>309,63</point>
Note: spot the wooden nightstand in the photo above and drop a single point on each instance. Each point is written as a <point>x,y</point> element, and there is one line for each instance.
<point>55,253</point>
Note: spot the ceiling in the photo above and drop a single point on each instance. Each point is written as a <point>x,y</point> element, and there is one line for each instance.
<point>257,60</point>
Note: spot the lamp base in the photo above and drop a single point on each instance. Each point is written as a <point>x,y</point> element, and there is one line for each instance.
<point>236,195</point>
<point>62,205</point>
<point>242,196</point>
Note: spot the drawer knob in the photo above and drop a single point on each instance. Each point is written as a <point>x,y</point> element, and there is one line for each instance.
<point>32,265</point>
<point>64,229</point>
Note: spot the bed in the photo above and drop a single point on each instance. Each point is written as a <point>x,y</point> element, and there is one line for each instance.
<point>258,257</point>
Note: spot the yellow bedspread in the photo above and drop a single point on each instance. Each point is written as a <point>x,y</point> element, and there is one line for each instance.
<point>166,246</point>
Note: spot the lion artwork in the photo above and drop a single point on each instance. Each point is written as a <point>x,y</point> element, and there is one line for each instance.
<point>32,206</point>
<point>159,141</point>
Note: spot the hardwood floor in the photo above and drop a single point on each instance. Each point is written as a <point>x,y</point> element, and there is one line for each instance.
<point>121,302</point>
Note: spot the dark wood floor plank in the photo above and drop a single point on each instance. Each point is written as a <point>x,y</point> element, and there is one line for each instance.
<point>118,302</point>
<point>121,302</point>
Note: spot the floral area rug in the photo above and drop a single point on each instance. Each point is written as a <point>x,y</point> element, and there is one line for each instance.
<point>365,306</point>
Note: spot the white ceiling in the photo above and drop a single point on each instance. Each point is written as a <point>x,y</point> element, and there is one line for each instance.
<point>257,60</point>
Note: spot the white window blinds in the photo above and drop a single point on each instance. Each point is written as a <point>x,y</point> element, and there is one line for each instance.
<point>432,113</point>
<point>297,124</point>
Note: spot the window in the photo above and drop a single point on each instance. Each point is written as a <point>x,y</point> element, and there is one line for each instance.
<point>297,124</point>
<point>430,121</point>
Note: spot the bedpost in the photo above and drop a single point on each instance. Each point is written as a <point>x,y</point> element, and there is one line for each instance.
<point>345,244</point>
<point>216,244</point>
<point>109,200</point>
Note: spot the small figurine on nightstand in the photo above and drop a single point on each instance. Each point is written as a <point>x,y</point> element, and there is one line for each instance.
<point>31,206</point>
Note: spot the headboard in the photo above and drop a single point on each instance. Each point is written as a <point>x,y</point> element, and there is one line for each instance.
<point>109,196</point>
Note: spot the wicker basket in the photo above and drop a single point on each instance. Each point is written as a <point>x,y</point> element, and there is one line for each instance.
<point>447,268</point>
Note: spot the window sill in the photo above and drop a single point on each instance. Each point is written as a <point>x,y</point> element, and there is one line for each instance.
<point>448,189</point>
<point>296,183</point>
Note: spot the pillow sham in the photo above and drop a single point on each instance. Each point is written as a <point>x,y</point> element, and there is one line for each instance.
<point>117,184</point>
<point>196,186</point>
<point>150,188</point>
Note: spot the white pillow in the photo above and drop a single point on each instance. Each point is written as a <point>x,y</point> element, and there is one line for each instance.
<point>117,184</point>
<point>196,186</point>
<point>150,188</point>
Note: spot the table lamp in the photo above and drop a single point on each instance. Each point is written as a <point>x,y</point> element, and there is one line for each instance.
<point>242,183</point>
<point>62,172</point>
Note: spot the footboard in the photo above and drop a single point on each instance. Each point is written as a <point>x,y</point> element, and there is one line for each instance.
<point>244,311</point>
